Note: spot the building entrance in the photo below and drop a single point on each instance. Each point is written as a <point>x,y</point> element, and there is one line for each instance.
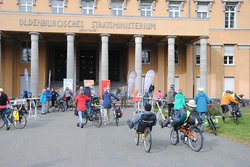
<point>114,65</point>
<point>87,65</point>
<point>60,64</point>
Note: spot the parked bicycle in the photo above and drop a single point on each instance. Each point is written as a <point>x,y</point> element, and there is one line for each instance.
<point>211,120</point>
<point>189,133</point>
<point>19,121</point>
<point>60,105</point>
<point>117,113</point>
<point>96,117</point>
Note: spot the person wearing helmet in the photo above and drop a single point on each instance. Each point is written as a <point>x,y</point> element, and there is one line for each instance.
<point>4,100</point>
<point>225,102</point>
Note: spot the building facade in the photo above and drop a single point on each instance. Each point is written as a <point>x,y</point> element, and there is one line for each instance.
<point>189,43</point>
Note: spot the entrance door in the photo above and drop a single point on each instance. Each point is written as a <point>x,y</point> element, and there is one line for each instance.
<point>114,65</point>
<point>60,64</point>
<point>87,64</point>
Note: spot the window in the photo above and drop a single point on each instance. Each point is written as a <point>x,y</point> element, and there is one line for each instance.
<point>174,9</point>
<point>230,12</point>
<point>88,7</point>
<point>228,55</point>
<point>57,6</point>
<point>176,54</point>
<point>25,55</point>
<point>202,10</point>
<point>146,55</point>
<point>117,8</point>
<point>198,55</point>
<point>228,83</point>
<point>146,8</point>
<point>26,5</point>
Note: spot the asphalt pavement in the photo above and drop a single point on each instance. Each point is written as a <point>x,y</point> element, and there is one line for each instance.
<point>54,140</point>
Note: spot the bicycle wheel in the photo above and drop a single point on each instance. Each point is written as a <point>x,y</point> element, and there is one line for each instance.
<point>236,121</point>
<point>174,136</point>
<point>212,126</point>
<point>195,139</point>
<point>22,122</point>
<point>97,119</point>
<point>137,137</point>
<point>84,118</point>
<point>147,139</point>
<point>62,108</point>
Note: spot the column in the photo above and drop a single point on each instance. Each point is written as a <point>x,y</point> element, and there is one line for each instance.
<point>100,67</point>
<point>70,56</point>
<point>203,62</point>
<point>1,59</point>
<point>34,76</point>
<point>138,63</point>
<point>171,63</point>
<point>104,57</point>
<point>161,67</point>
<point>190,70</point>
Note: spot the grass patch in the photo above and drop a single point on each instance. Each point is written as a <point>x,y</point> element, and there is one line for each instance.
<point>239,133</point>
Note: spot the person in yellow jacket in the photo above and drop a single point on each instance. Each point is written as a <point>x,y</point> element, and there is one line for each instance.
<point>225,101</point>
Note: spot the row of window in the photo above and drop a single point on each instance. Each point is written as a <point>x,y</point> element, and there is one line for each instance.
<point>146,8</point>
<point>146,54</point>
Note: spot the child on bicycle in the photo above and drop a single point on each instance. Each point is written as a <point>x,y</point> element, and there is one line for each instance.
<point>135,122</point>
<point>81,107</point>
<point>184,117</point>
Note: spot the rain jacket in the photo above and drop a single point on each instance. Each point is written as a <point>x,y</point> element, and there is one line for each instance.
<point>201,101</point>
<point>107,99</point>
<point>179,101</point>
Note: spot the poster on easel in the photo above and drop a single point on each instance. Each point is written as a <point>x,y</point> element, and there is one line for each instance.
<point>91,84</point>
<point>68,83</point>
<point>105,84</point>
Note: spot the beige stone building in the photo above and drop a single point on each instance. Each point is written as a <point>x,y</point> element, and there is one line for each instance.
<point>189,43</point>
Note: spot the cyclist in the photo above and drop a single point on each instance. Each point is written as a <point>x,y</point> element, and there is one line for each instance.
<point>81,106</point>
<point>184,117</point>
<point>137,117</point>
<point>4,100</point>
<point>67,94</point>
<point>225,102</point>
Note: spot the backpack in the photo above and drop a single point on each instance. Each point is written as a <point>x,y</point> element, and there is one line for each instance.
<point>87,91</point>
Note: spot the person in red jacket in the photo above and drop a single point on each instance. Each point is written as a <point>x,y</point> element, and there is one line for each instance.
<point>81,107</point>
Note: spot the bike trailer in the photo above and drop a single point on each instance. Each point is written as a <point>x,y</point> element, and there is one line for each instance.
<point>148,119</point>
<point>118,112</point>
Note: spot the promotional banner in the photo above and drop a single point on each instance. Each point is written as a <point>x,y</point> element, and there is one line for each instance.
<point>105,84</point>
<point>49,78</point>
<point>88,82</point>
<point>150,75</point>
<point>131,81</point>
<point>26,77</point>
<point>68,83</point>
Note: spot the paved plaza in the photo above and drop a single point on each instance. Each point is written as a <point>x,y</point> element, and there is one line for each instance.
<point>55,140</point>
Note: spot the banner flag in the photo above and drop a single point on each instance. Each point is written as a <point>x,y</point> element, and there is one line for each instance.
<point>131,81</point>
<point>150,75</point>
<point>26,77</point>
<point>105,84</point>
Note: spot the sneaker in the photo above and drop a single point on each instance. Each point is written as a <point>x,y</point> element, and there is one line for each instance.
<point>223,117</point>
<point>78,124</point>
<point>130,124</point>
<point>8,127</point>
<point>82,125</point>
<point>161,123</point>
<point>166,122</point>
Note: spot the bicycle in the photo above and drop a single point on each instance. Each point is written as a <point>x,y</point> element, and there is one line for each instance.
<point>144,131</point>
<point>211,121</point>
<point>189,133</point>
<point>235,114</point>
<point>117,113</point>
<point>19,122</point>
<point>60,105</point>
<point>96,117</point>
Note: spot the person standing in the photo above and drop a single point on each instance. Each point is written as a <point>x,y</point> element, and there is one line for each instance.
<point>145,98</point>
<point>159,97</point>
<point>81,107</point>
<point>202,101</point>
<point>137,98</point>
<point>170,99</point>
<point>123,97</point>
<point>87,92</point>
<point>151,90</point>
<point>4,100</point>
<point>48,99</point>
<point>107,104</point>
<point>43,101</point>
<point>67,95</point>
<point>54,96</point>
<point>179,104</point>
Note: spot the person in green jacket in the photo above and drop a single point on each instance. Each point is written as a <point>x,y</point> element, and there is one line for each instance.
<point>184,117</point>
<point>179,104</point>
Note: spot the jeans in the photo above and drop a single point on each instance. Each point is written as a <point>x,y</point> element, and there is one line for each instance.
<point>177,114</point>
<point>3,112</point>
<point>106,115</point>
<point>80,116</point>
<point>43,108</point>
<point>89,111</point>
<point>202,115</point>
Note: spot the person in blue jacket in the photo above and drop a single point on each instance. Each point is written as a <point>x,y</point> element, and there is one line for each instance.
<point>202,101</point>
<point>107,104</point>
<point>48,99</point>
<point>43,101</point>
